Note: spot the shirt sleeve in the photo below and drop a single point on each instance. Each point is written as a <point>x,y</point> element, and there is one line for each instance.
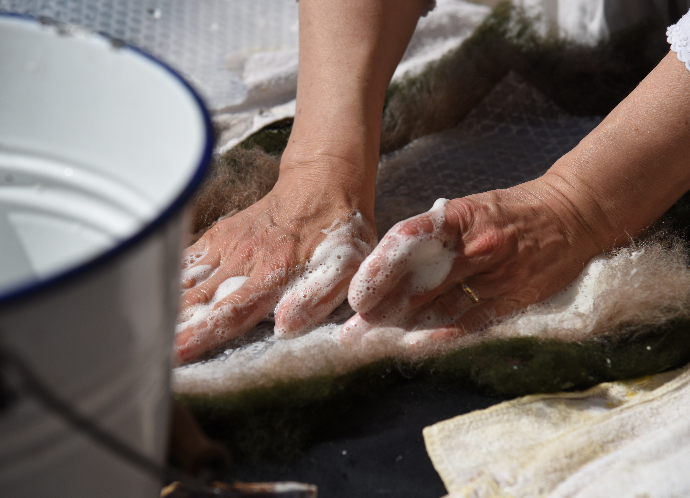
<point>679,38</point>
<point>429,5</point>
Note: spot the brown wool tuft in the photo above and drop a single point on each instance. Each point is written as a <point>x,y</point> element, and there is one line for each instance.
<point>238,179</point>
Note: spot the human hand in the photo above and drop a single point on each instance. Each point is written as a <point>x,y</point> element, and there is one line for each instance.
<point>291,254</point>
<point>512,248</point>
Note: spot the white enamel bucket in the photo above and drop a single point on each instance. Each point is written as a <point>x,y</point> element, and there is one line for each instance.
<point>100,145</point>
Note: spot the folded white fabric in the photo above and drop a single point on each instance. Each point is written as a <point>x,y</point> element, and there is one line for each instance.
<point>617,439</point>
<point>590,21</point>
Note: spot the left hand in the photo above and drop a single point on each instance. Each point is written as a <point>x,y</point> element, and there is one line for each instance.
<point>518,246</point>
<point>512,248</point>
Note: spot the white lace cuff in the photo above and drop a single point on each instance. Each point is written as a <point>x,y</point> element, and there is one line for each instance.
<point>679,38</point>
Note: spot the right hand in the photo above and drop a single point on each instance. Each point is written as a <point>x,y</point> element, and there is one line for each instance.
<point>275,244</point>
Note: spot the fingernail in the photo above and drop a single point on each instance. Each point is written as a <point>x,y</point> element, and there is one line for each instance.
<point>353,330</point>
<point>289,328</point>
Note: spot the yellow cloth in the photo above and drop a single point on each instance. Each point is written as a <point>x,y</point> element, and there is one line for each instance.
<point>617,439</point>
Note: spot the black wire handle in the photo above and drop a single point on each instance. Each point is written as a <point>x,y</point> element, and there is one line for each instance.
<point>34,386</point>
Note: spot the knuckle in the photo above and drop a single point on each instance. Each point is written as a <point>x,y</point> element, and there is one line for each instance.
<point>200,294</point>
<point>490,241</point>
<point>525,295</point>
<point>245,251</point>
<point>462,213</point>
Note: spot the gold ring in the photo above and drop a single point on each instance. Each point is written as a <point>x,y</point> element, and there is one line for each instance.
<point>472,295</point>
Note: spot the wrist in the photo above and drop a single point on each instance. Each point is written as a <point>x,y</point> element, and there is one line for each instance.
<point>345,129</point>
<point>344,185</point>
<point>577,214</point>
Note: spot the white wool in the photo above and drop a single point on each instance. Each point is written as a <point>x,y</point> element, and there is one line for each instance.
<point>594,304</point>
<point>513,136</point>
<point>569,307</point>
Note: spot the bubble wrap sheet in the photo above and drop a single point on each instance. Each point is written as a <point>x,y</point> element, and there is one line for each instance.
<point>239,54</point>
<point>513,136</point>
<point>200,38</point>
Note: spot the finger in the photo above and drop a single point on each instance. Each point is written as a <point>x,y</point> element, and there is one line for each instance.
<point>197,264</point>
<point>374,278</point>
<point>476,319</point>
<point>391,312</point>
<point>445,309</point>
<point>421,341</point>
<point>321,288</point>
<point>404,308</point>
<point>193,254</point>
<point>354,329</point>
<point>517,284</point>
<point>416,249</point>
<point>386,265</point>
<point>225,318</point>
<point>397,310</point>
<point>302,308</point>
<point>205,290</point>
<point>195,275</point>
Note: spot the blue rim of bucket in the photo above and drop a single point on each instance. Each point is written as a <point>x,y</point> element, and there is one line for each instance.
<point>39,286</point>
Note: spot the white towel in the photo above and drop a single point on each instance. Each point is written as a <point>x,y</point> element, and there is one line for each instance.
<point>622,439</point>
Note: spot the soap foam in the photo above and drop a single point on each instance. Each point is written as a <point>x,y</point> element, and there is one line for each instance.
<point>608,295</point>
<point>191,258</point>
<point>195,275</point>
<point>311,291</point>
<point>426,259</point>
<point>640,288</point>
<point>306,298</point>
<point>201,312</point>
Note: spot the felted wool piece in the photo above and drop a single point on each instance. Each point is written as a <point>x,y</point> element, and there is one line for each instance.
<point>617,439</point>
<point>625,317</point>
<point>584,81</point>
<point>512,137</point>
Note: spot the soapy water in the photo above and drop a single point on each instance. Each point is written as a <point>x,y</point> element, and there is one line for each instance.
<point>420,261</point>
<point>309,294</point>
<point>196,275</point>
<point>627,287</point>
<point>606,297</point>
